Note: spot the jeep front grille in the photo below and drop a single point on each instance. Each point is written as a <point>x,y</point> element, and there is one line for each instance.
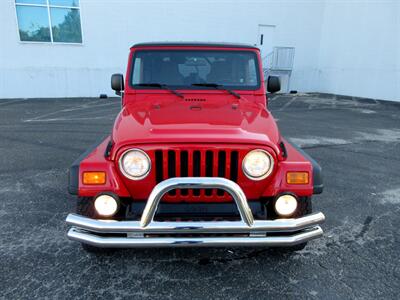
<point>171,163</point>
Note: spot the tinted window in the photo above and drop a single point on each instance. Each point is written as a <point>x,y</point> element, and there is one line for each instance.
<point>33,23</point>
<point>181,68</point>
<point>64,2</point>
<point>66,25</point>
<point>56,21</point>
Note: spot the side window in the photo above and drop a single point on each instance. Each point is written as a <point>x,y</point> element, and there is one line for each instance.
<point>251,73</point>
<point>137,71</point>
<point>245,71</point>
<point>51,21</point>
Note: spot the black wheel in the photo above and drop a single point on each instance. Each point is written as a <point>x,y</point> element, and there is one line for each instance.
<point>85,207</point>
<point>305,208</point>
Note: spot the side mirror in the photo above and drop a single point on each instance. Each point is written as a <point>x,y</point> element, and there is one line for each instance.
<point>273,84</point>
<point>117,83</point>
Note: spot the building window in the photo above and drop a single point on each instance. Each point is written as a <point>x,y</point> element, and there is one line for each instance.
<point>49,21</point>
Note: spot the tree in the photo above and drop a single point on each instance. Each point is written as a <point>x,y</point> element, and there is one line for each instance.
<point>69,31</point>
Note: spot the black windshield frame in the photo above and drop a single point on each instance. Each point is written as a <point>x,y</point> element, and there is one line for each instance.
<point>189,87</point>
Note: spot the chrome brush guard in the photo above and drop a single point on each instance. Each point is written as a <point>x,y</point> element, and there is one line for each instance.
<point>150,233</point>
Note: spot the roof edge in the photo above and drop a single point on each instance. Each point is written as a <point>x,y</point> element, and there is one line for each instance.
<point>195,44</point>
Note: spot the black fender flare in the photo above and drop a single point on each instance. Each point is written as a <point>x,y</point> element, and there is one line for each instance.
<point>317,170</point>
<point>73,174</point>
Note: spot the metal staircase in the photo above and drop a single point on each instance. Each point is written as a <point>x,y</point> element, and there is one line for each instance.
<point>280,62</point>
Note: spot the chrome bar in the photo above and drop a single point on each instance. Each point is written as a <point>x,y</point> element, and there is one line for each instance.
<point>278,225</point>
<point>196,183</point>
<point>149,233</point>
<point>146,242</point>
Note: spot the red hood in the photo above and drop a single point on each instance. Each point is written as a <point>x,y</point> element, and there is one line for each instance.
<point>218,119</point>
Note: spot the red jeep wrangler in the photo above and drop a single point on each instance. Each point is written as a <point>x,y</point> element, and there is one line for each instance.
<point>194,158</point>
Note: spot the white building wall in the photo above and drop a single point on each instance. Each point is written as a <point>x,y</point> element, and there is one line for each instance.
<point>359,51</point>
<point>110,27</point>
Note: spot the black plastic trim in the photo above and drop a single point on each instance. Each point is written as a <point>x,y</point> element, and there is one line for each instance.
<point>283,148</point>
<point>108,149</point>
<point>197,209</point>
<point>317,170</point>
<point>73,175</point>
<point>195,44</point>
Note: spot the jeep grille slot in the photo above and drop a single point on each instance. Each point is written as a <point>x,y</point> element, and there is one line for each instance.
<point>171,168</point>
<point>234,165</point>
<point>196,163</point>
<point>196,169</point>
<point>184,169</point>
<point>159,166</point>
<point>209,169</point>
<point>221,168</point>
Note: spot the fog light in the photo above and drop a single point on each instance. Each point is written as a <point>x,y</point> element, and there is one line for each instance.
<point>286,205</point>
<point>106,205</point>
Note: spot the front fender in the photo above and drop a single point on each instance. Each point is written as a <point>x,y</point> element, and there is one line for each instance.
<point>94,159</point>
<point>296,161</point>
<point>318,183</point>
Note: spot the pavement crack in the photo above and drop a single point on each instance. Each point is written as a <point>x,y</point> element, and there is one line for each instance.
<point>365,228</point>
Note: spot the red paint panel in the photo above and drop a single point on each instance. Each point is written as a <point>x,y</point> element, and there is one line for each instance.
<point>157,120</point>
<point>96,161</point>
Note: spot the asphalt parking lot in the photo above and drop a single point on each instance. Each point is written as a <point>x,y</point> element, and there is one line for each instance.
<point>356,141</point>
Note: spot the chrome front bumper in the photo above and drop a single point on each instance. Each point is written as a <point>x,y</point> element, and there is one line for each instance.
<point>149,233</point>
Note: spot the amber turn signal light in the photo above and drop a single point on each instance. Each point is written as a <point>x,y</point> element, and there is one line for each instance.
<point>297,178</point>
<point>94,177</point>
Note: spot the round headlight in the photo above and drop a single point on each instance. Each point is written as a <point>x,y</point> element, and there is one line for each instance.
<point>258,164</point>
<point>286,205</point>
<point>106,205</point>
<point>135,164</point>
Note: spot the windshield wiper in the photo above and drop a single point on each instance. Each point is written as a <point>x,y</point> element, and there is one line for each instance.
<point>218,87</point>
<point>161,86</point>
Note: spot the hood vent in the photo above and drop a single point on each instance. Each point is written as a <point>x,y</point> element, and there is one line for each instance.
<point>195,99</point>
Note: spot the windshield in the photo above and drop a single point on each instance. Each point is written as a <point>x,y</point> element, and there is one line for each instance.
<point>186,68</point>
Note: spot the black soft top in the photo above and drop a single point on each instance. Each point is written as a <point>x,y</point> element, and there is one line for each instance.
<point>195,44</point>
